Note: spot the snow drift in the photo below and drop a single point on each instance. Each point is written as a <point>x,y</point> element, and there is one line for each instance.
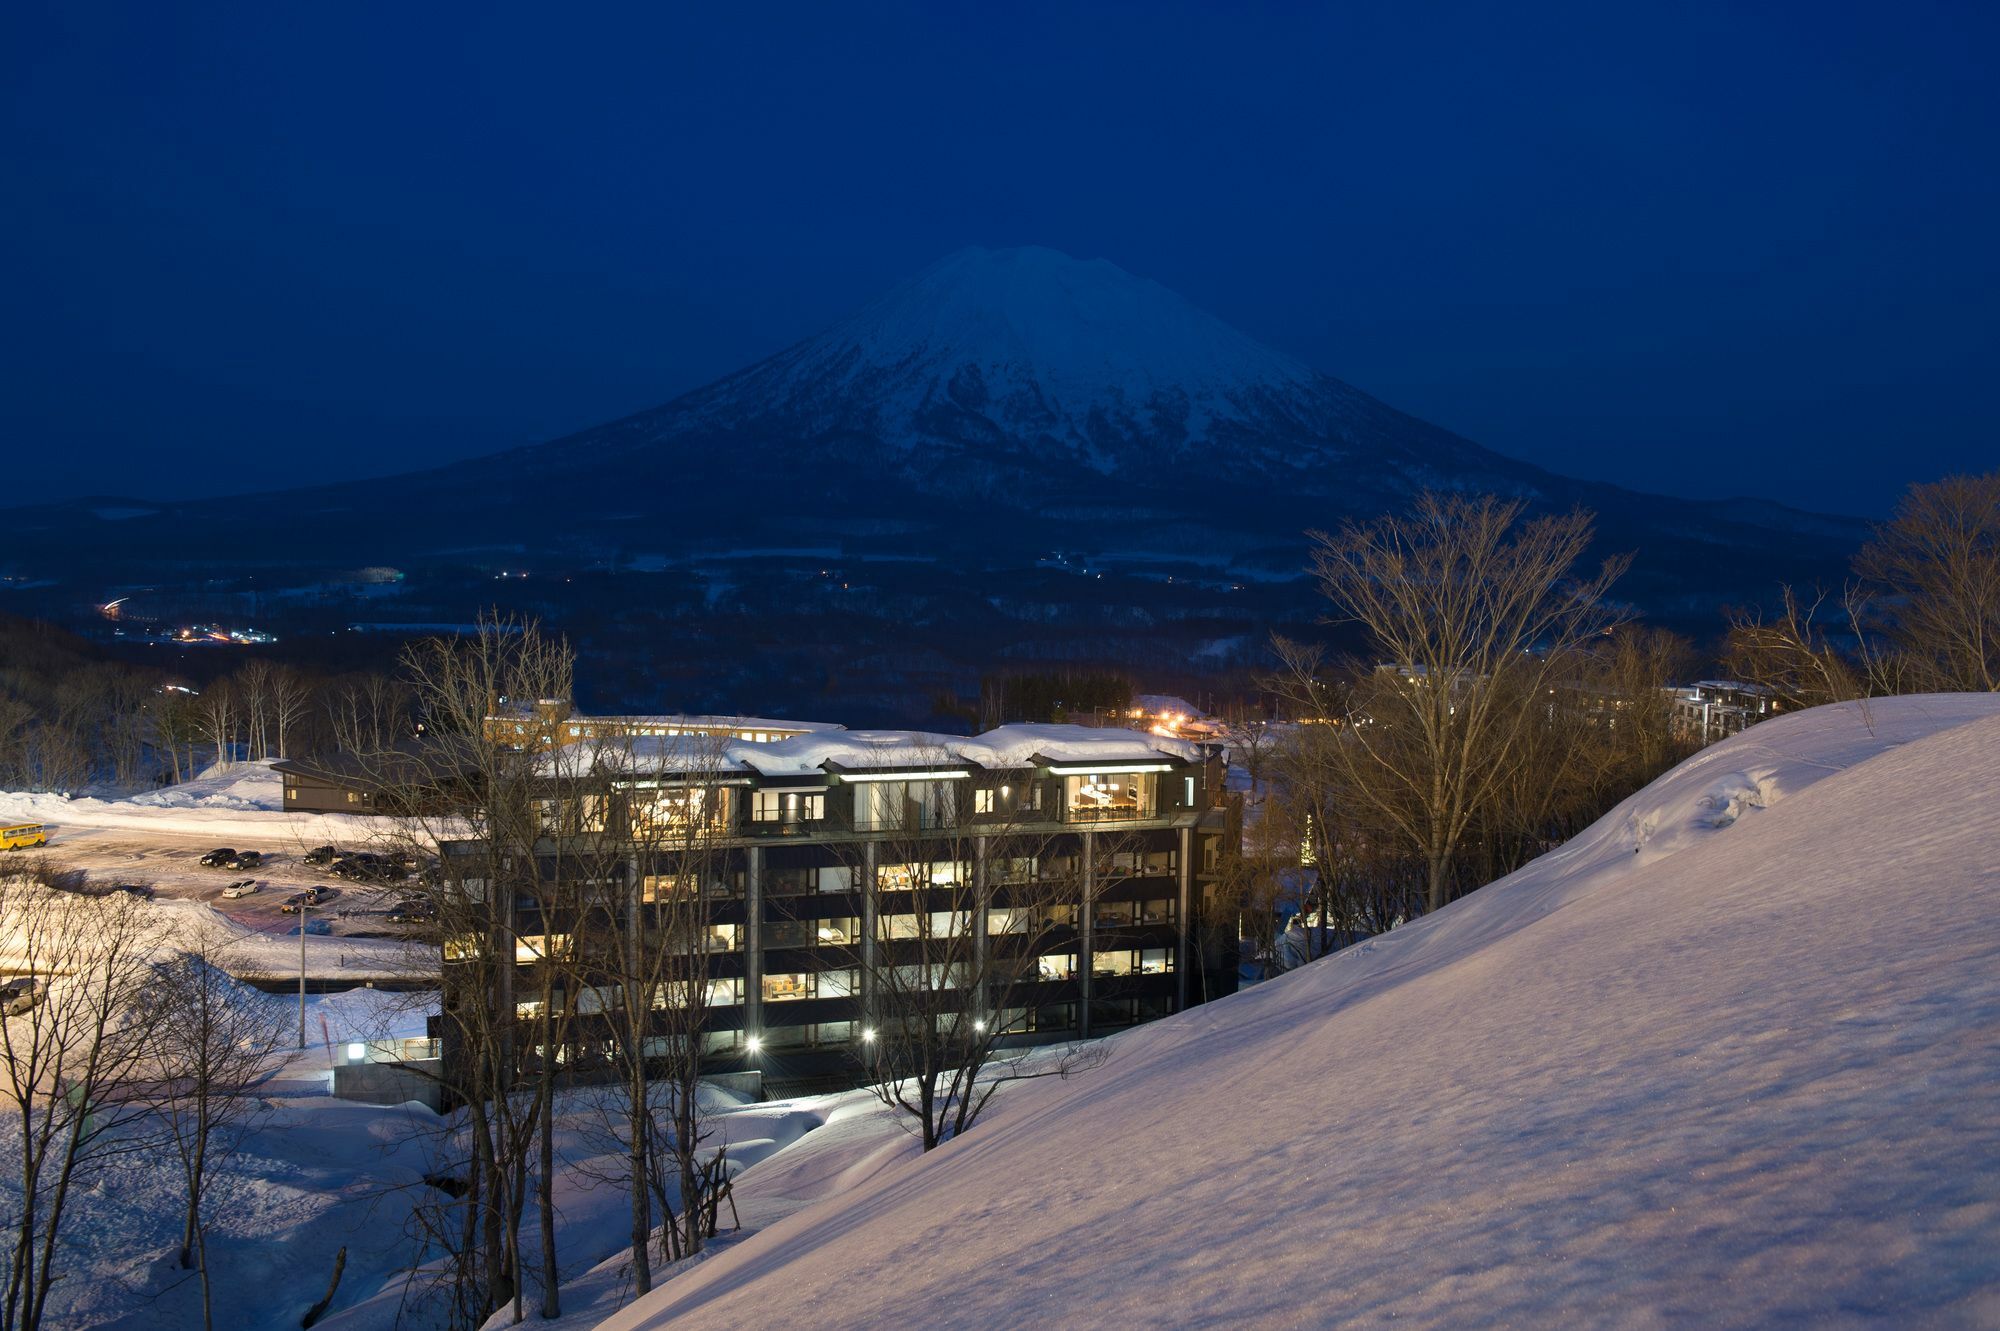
<point>1727,1058</point>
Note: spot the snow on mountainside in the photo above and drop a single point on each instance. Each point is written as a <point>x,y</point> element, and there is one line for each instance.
<point>1029,359</point>
<point>1727,1059</point>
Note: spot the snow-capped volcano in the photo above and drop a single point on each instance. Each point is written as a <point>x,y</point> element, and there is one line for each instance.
<point>992,366</point>
<point>1003,410</point>
<point>1032,344</point>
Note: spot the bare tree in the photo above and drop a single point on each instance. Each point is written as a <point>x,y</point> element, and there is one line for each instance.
<point>214,1041</point>
<point>291,703</point>
<point>69,1066</point>
<point>974,910</point>
<point>1938,558</point>
<point>498,901</point>
<point>253,696</point>
<point>1472,609</point>
<point>1790,652</point>
<point>217,717</point>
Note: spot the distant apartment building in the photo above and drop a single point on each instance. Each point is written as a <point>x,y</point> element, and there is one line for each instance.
<point>1714,709</point>
<point>830,855</point>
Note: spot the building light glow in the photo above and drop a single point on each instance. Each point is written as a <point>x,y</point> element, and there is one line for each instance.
<point>858,778</point>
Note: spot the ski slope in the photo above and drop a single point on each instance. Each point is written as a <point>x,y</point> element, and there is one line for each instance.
<point>1730,1058</point>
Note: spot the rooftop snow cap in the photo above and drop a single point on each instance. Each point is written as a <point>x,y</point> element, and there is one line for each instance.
<point>1007,748</point>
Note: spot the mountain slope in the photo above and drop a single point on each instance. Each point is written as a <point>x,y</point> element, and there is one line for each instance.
<point>1028,360</point>
<point>1725,1059</point>
<point>1011,401</point>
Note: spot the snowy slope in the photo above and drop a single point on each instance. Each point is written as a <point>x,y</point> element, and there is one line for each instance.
<point>1727,1059</point>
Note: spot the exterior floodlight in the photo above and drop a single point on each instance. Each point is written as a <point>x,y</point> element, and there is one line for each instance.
<point>753,1044</point>
<point>357,1052</point>
<point>868,1035</point>
<point>978,1025</point>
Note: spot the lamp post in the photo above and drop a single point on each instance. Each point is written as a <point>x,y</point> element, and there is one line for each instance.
<point>305,913</point>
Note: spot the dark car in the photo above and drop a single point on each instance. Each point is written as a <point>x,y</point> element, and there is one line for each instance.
<point>139,890</point>
<point>411,912</point>
<point>320,856</point>
<point>245,859</point>
<point>216,859</point>
<point>367,867</point>
<point>298,901</point>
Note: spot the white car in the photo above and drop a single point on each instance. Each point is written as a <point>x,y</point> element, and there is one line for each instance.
<point>17,996</point>
<point>240,889</point>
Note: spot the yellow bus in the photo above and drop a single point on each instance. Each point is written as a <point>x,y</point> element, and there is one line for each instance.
<point>23,834</point>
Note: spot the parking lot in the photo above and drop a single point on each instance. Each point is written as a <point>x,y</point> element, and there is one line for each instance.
<point>360,945</point>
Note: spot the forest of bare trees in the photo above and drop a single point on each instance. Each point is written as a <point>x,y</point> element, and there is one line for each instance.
<point>71,719</point>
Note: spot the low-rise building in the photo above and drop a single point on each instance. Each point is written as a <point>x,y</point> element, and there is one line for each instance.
<point>829,859</point>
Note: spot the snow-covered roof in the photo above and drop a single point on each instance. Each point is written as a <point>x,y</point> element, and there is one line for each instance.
<point>1165,704</point>
<point>1006,748</point>
<point>671,720</point>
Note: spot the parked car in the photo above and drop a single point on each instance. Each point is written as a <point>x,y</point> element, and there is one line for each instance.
<point>18,995</point>
<point>139,890</point>
<point>362,867</point>
<point>242,887</point>
<point>245,859</point>
<point>215,859</point>
<point>321,856</point>
<point>411,912</point>
<point>298,901</point>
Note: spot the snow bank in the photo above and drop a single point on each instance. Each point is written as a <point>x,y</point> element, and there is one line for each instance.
<point>1726,1059</point>
<point>240,787</point>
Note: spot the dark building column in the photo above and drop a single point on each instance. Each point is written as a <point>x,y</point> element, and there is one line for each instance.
<point>981,899</point>
<point>871,913</point>
<point>753,941</point>
<point>1183,951</point>
<point>1086,923</point>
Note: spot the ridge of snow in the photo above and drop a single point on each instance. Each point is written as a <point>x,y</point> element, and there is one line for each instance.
<point>1726,1058</point>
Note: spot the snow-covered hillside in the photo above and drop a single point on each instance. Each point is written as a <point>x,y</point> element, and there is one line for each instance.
<point>1729,1058</point>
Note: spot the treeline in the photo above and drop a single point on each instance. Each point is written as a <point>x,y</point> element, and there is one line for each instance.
<point>1507,700</point>
<point>1920,615</point>
<point>70,718</point>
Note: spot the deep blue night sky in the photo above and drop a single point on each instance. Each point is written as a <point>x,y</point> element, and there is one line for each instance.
<point>1706,250</point>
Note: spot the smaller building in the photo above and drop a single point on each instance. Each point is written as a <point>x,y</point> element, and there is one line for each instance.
<point>1714,709</point>
<point>551,723</point>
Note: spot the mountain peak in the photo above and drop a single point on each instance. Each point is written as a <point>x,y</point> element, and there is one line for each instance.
<point>1076,329</point>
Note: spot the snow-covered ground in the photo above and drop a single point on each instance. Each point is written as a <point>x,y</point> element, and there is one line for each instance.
<point>319,1174</point>
<point>158,838</point>
<point>1727,1059</point>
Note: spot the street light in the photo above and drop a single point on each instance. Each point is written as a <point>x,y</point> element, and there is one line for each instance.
<point>305,908</point>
